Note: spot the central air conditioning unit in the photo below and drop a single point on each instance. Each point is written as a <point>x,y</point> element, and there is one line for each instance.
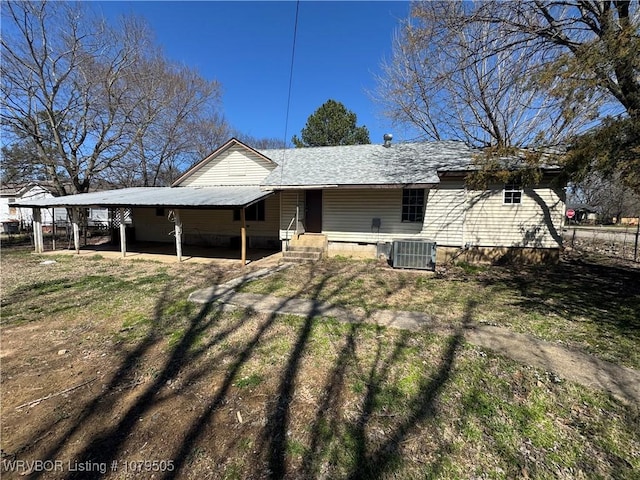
<point>420,254</point>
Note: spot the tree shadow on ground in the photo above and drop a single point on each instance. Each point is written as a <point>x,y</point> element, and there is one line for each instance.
<point>333,419</point>
<point>274,438</point>
<point>376,462</point>
<point>102,447</point>
<point>577,289</point>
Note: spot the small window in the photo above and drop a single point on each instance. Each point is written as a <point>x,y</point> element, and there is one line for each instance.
<point>253,213</point>
<point>159,212</point>
<point>512,193</point>
<point>412,204</point>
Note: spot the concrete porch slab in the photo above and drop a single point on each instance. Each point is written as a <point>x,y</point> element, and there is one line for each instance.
<point>166,254</point>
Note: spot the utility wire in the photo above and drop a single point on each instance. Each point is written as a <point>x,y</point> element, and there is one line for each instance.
<point>286,122</point>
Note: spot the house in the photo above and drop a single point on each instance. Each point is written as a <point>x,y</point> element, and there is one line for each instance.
<point>359,196</point>
<point>583,213</point>
<point>15,217</point>
<point>356,200</point>
<point>9,222</point>
<point>629,221</point>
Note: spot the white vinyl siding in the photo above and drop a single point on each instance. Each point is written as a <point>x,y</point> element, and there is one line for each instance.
<point>453,216</point>
<point>234,166</point>
<point>348,215</point>
<point>199,225</point>
<point>288,206</point>
<point>445,213</point>
<point>534,222</point>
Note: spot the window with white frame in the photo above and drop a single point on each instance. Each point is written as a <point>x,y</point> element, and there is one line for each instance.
<point>512,193</point>
<point>412,204</point>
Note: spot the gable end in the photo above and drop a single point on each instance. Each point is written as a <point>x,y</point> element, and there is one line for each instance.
<point>233,163</point>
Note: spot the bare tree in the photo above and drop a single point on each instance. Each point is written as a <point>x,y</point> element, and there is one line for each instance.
<point>260,143</point>
<point>591,46</point>
<point>451,78</point>
<point>589,55</point>
<point>63,84</point>
<point>86,100</point>
<point>609,195</point>
<point>180,113</point>
<point>210,133</point>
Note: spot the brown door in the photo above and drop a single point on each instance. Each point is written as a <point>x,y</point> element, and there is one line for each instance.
<point>313,211</point>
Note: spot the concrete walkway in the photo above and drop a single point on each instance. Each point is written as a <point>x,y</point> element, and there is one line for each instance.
<point>564,362</point>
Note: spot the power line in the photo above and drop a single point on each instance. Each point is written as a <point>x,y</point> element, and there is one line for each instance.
<point>293,53</point>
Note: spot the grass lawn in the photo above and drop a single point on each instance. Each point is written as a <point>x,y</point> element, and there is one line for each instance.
<point>208,393</point>
<point>582,302</point>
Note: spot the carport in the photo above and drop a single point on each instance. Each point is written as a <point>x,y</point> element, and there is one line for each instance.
<point>174,199</point>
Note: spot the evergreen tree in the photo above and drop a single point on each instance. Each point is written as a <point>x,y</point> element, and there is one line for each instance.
<point>330,125</point>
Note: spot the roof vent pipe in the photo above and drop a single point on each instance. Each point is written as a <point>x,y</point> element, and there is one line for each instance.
<point>387,139</point>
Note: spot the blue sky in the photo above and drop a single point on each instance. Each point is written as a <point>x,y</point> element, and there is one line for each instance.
<point>247,47</point>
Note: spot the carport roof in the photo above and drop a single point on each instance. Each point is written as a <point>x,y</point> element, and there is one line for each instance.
<point>178,197</point>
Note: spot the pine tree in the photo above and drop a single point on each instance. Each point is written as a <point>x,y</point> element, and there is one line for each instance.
<point>330,125</point>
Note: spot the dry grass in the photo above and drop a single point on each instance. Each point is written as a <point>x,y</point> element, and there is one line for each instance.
<point>579,302</point>
<point>245,395</point>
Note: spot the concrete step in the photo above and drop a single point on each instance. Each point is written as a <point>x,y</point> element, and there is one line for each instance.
<point>301,256</point>
<point>305,248</point>
<point>310,240</point>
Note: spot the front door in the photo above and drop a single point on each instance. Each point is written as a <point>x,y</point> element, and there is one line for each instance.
<point>313,211</point>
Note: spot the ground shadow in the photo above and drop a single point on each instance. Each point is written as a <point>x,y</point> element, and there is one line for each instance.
<point>370,457</point>
<point>577,288</point>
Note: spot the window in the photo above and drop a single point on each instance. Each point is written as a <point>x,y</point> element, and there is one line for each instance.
<point>412,204</point>
<point>253,213</point>
<point>512,193</point>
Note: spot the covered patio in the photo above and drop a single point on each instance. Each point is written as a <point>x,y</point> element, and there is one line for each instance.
<point>165,253</point>
<point>175,201</point>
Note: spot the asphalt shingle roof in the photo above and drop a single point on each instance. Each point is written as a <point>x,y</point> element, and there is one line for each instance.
<point>399,164</point>
<point>351,165</point>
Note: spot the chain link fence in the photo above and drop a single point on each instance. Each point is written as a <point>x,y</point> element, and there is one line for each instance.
<point>619,242</point>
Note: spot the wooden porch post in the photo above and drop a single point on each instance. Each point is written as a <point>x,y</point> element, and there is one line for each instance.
<point>76,229</point>
<point>123,233</point>
<point>178,231</point>
<point>37,231</point>
<point>243,237</point>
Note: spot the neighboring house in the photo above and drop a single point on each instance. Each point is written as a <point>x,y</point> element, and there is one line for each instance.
<point>357,198</point>
<point>629,221</point>
<point>583,213</point>
<point>9,222</point>
<point>15,217</point>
